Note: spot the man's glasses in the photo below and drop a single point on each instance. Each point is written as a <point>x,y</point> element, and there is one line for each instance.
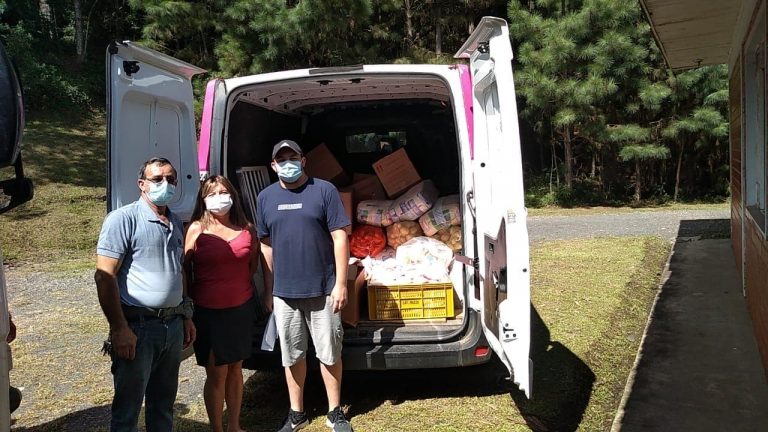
<point>159,179</point>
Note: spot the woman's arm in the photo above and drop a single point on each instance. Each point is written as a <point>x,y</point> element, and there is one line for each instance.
<point>190,238</point>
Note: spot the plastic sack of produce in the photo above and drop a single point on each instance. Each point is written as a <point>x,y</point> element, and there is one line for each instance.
<point>392,273</point>
<point>446,212</point>
<point>414,203</point>
<point>376,213</point>
<point>367,240</point>
<point>425,251</point>
<point>451,236</point>
<point>387,254</point>
<point>400,232</point>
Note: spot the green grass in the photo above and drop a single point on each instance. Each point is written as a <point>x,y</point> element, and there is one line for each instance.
<point>589,210</point>
<point>66,162</point>
<point>591,299</point>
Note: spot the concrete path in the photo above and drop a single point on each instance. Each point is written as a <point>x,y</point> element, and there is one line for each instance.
<point>698,368</point>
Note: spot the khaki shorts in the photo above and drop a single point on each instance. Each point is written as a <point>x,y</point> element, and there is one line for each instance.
<point>299,319</point>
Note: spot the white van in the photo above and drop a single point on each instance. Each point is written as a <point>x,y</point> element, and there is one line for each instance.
<point>13,192</point>
<point>460,128</point>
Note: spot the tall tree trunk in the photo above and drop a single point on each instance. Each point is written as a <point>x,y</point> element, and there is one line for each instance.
<point>638,181</point>
<point>88,29</point>
<point>79,33</point>
<point>439,31</point>
<point>408,23</point>
<point>677,173</point>
<point>568,146</point>
<point>553,167</point>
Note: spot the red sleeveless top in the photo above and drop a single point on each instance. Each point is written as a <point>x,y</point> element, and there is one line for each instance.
<point>221,271</point>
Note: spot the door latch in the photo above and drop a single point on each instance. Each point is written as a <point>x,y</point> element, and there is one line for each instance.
<point>508,334</point>
<point>500,279</point>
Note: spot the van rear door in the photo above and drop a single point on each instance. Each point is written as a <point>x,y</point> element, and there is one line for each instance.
<point>150,113</point>
<point>499,200</point>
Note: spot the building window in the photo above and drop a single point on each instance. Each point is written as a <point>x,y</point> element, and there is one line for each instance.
<point>754,156</point>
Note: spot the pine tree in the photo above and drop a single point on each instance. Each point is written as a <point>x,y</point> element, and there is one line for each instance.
<point>572,55</point>
<point>697,117</point>
<point>185,29</point>
<point>266,35</point>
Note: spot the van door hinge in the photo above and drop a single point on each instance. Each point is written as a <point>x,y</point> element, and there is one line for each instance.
<point>467,261</point>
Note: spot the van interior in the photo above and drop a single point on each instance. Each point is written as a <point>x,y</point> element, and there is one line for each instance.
<point>351,115</point>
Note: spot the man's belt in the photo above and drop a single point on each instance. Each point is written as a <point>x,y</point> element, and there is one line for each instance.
<point>184,309</point>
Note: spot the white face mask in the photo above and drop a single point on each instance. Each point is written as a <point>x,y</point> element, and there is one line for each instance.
<point>218,204</point>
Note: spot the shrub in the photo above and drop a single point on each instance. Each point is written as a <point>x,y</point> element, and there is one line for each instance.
<point>46,86</point>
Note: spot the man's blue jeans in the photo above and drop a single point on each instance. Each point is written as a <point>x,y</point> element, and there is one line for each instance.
<point>154,372</point>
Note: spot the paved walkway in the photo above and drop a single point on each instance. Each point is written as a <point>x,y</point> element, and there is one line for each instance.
<point>699,368</point>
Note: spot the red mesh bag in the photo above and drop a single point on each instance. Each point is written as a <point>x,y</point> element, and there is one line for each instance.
<point>367,240</point>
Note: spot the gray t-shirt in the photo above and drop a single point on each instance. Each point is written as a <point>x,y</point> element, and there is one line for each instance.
<point>151,254</point>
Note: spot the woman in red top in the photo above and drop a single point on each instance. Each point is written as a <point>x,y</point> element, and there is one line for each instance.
<point>221,254</point>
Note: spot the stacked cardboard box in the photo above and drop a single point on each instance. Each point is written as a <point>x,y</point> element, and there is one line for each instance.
<point>396,173</point>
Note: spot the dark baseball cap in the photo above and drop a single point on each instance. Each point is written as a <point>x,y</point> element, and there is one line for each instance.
<point>286,144</point>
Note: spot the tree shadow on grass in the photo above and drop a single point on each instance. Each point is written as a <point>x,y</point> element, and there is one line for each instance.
<point>60,150</point>
<point>96,419</point>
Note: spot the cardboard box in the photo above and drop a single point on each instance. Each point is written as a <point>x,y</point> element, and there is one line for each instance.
<point>355,283</point>
<point>366,187</point>
<point>322,164</point>
<point>346,199</point>
<point>396,173</point>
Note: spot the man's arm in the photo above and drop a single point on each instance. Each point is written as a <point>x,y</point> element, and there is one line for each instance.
<point>269,279</point>
<point>341,257</point>
<point>253,264</point>
<point>123,338</point>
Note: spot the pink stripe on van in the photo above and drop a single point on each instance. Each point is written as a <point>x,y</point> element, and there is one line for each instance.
<point>466,90</point>
<point>204,145</point>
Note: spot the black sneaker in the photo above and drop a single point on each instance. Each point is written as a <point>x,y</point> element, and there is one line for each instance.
<point>295,421</point>
<point>337,422</point>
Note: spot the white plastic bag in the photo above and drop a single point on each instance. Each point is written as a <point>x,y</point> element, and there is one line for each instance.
<point>425,251</point>
<point>270,334</point>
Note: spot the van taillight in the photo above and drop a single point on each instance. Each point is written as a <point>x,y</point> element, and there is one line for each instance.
<point>481,351</point>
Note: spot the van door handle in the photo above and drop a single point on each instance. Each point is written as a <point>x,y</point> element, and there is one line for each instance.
<point>471,202</point>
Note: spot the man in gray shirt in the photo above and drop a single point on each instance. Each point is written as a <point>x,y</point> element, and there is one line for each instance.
<point>143,296</point>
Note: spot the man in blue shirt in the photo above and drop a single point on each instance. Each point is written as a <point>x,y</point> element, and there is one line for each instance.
<point>140,287</point>
<point>301,223</point>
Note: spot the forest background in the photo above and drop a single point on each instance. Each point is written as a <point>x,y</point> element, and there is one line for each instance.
<point>603,120</point>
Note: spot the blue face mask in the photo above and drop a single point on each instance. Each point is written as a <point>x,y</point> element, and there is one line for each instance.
<point>289,171</point>
<point>160,194</point>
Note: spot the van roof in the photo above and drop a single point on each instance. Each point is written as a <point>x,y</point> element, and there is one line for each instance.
<point>299,90</point>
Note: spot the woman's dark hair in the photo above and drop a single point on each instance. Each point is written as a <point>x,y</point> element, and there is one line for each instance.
<point>201,213</point>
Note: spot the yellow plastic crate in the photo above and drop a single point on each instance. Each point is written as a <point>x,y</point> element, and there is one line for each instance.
<point>405,302</point>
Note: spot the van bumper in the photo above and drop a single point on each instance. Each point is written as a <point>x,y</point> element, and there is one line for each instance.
<point>360,356</point>
<point>458,353</point>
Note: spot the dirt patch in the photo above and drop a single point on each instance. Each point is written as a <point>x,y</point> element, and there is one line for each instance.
<point>66,381</point>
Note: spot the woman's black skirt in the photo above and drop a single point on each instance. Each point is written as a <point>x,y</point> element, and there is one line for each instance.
<point>227,332</point>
